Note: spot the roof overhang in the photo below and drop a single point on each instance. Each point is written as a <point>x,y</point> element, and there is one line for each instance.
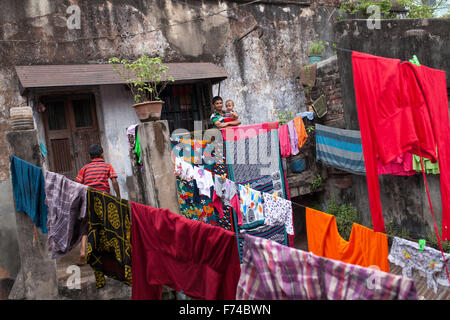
<point>52,76</point>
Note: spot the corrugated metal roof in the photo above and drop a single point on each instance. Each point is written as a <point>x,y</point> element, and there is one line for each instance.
<point>42,76</point>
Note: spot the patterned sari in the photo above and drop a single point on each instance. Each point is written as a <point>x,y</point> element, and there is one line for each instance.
<point>108,249</point>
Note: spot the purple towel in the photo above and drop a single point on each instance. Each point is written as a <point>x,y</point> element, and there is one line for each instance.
<point>293,137</point>
<point>66,220</point>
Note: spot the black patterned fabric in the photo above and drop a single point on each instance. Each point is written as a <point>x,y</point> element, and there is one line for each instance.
<point>108,249</point>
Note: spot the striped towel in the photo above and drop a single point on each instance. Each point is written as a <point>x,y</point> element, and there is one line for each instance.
<point>340,148</point>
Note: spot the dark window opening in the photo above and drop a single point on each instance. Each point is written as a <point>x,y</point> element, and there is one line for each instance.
<point>56,116</point>
<point>82,113</point>
<point>184,104</point>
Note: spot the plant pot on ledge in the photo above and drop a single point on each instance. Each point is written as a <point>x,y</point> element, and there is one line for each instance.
<point>149,110</point>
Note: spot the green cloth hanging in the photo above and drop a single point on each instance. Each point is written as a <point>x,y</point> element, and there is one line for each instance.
<point>431,168</point>
<point>320,106</point>
<point>137,148</point>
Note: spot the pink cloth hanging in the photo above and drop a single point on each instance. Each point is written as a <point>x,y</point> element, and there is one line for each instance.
<point>401,166</point>
<point>285,143</point>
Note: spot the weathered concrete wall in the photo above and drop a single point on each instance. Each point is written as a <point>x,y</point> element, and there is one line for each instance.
<point>403,199</point>
<point>115,115</point>
<point>264,72</point>
<point>9,247</point>
<point>155,180</point>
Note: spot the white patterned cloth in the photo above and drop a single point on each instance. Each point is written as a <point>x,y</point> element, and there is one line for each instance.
<point>204,180</point>
<point>278,211</point>
<point>250,204</point>
<point>429,262</point>
<point>184,169</point>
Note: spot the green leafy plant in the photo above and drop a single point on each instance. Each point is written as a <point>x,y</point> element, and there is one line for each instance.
<point>316,183</point>
<point>345,214</point>
<point>419,9</point>
<point>310,129</point>
<point>414,8</point>
<point>393,230</point>
<point>433,242</point>
<point>316,48</point>
<point>285,116</point>
<point>143,76</point>
<point>361,7</point>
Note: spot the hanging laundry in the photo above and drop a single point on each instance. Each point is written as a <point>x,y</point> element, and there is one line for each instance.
<point>250,204</point>
<point>137,148</point>
<point>271,271</point>
<point>108,249</point>
<point>400,166</point>
<point>430,167</point>
<point>277,180</point>
<point>248,131</point>
<point>307,114</point>
<point>186,255</point>
<point>278,210</point>
<point>225,191</point>
<point>183,169</point>
<point>66,219</point>
<point>320,106</point>
<point>342,149</point>
<point>29,191</point>
<point>131,134</point>
<point>339,148</point>
<point>404,110</point>
<point>406,254</point>
<point>193,205</point>
<point>285,144</point>
<point>293,137</point>
<point>308,75</point>
<point>275,233</point>
<point>301,131</point>
<point>365,247</point>
<point>204,180</point>
<point>251,160</point>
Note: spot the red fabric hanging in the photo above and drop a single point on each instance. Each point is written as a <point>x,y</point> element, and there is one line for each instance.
<point>401,106</point>
<point>187,255</point>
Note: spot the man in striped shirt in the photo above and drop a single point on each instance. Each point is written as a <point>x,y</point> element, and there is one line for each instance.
<point>96,175</point>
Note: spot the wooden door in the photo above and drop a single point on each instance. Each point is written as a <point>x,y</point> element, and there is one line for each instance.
<point>71,127</point>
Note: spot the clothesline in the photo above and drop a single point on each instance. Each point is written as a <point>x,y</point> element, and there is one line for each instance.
<point>349,50</point>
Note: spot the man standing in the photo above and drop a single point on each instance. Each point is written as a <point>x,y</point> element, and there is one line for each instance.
<point>217,118</point>
<point>96,175</point>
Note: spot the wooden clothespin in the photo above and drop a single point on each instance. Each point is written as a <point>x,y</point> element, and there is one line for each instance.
<point>275,195</point>
<point>247,186</point>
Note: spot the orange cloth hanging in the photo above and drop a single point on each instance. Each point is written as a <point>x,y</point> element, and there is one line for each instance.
<point>364,248</point>
<point>301,131</point>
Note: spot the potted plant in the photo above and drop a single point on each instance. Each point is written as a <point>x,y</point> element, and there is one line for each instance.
<point>315,51</point>
<point>146,78</point>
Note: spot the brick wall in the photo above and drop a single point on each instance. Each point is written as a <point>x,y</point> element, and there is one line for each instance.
<point>328,83</point>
